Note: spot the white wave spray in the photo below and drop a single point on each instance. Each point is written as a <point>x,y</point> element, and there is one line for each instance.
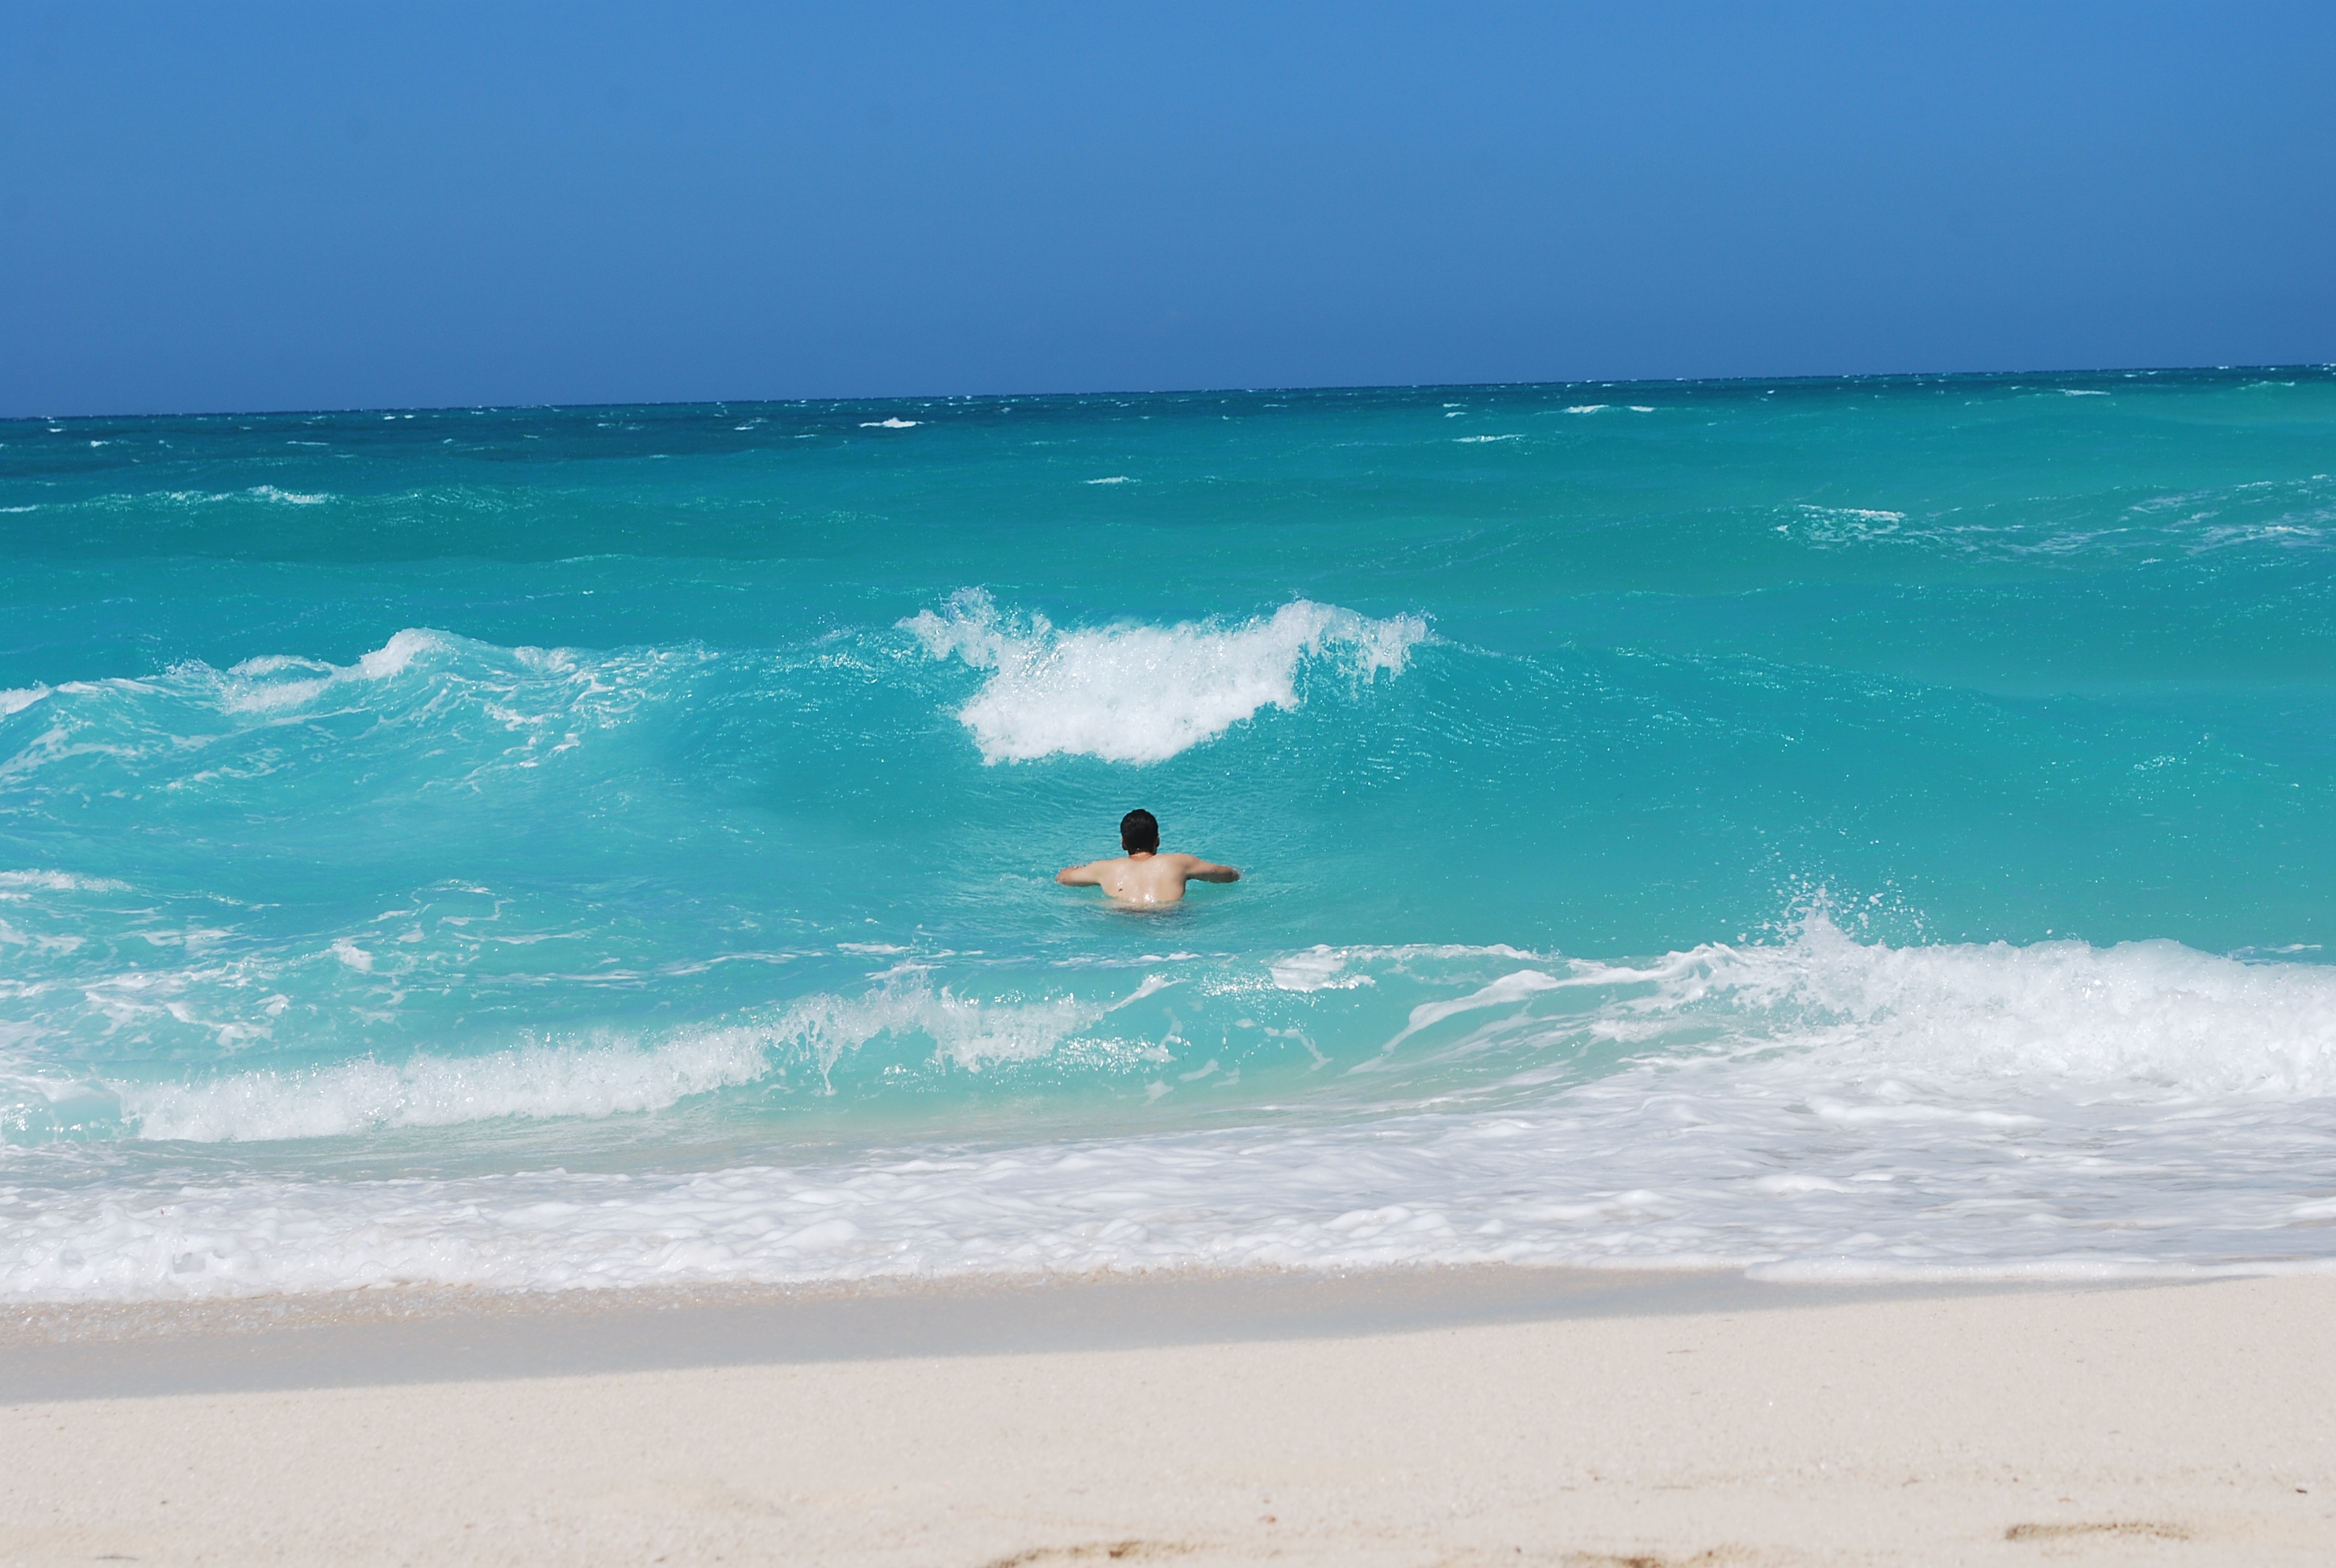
<point>1141,694</point>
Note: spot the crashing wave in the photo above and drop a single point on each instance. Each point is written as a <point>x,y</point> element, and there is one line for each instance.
<point>1141,694</point>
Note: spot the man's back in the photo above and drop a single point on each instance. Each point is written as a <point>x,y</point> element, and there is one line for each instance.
<point>1143,875</point>
<point>1147,878</point>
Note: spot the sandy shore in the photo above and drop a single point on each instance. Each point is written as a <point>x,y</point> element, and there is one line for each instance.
<point>1692,1422</point>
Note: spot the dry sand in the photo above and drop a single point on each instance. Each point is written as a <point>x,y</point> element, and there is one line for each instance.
<point>2190,1425</point>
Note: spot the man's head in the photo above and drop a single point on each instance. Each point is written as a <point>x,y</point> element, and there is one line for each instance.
<point>1139,832</point>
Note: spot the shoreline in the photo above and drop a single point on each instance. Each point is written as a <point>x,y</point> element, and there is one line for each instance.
<point>1654,1424</point>
<point>79,1350</point>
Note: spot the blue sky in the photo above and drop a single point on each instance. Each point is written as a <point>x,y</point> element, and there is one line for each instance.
<point>266,207</point>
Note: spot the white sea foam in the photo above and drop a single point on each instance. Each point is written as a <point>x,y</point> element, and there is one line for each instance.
<point>536,702</point>
<point>889,423</point>
<point>2149,1014</point>
<point>1141,694</point>
<point>1112,479</point>
<point>1316,970</point>
<point>1506,991</point>
<point>609,1076</point>
<point>1861,513</point>
<point>461,711</point>
<point>969,1032</point>
<point>279,681</point>
<point>440,1091</point>
<point>1835,526</point>
<point>1813,1108</point>
<point>61,882</point>
<point>17,699</point>
<point>1479,440</point>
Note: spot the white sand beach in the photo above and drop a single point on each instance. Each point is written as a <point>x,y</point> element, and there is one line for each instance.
<point>2186,1423</point>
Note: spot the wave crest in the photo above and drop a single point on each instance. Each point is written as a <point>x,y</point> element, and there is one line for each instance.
<point>1141,694</point>
<point>2143,1012</point>
<point>603,1078</point>
<point>431,1091</point>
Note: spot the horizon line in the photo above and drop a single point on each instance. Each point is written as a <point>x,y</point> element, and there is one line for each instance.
<point>928,398</point>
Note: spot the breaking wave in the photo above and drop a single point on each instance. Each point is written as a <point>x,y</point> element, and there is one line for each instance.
<point>1141,694</point>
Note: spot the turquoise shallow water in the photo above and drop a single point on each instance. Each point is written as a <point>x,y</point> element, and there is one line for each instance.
<point>1867,827</point>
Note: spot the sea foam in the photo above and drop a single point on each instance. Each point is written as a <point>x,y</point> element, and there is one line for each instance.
<point>1813,1108</point>
<point>1141,694</point>
<point>1967,1020</point>
<point>607,1076</point>
<point>430,1091</point>
<point>502,708</point>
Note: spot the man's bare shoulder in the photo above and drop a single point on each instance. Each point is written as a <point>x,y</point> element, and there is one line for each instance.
<point>1198,869</point>
<point>1147,878</point>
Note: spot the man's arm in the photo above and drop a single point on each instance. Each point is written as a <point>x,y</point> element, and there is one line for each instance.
<point>1201,871</point>
<point>1083,876</point>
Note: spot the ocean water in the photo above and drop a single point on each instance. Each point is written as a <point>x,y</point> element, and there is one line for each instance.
<point>1830,829</point>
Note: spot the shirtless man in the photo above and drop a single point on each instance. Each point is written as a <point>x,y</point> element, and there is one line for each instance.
<point>1143,875</point>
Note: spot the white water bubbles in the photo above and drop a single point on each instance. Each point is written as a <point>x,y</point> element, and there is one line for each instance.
<point>549,1079</point>
<point>1136,693</point>
<point>1809,1107</point>
<point>548,698</point>
<point>2146,1015</point>
<point>1841,527</point>
<point>469,708</point>
<point>2287,514</point>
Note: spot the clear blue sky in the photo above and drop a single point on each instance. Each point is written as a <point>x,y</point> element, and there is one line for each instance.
<point>316,205</point>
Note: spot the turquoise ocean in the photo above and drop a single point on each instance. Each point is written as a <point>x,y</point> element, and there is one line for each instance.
<point>1862,829</point>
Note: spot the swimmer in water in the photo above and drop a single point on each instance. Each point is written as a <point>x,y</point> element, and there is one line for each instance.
<point>1143,875</point>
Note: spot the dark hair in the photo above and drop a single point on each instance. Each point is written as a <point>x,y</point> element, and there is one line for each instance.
<point>1139,831</point>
